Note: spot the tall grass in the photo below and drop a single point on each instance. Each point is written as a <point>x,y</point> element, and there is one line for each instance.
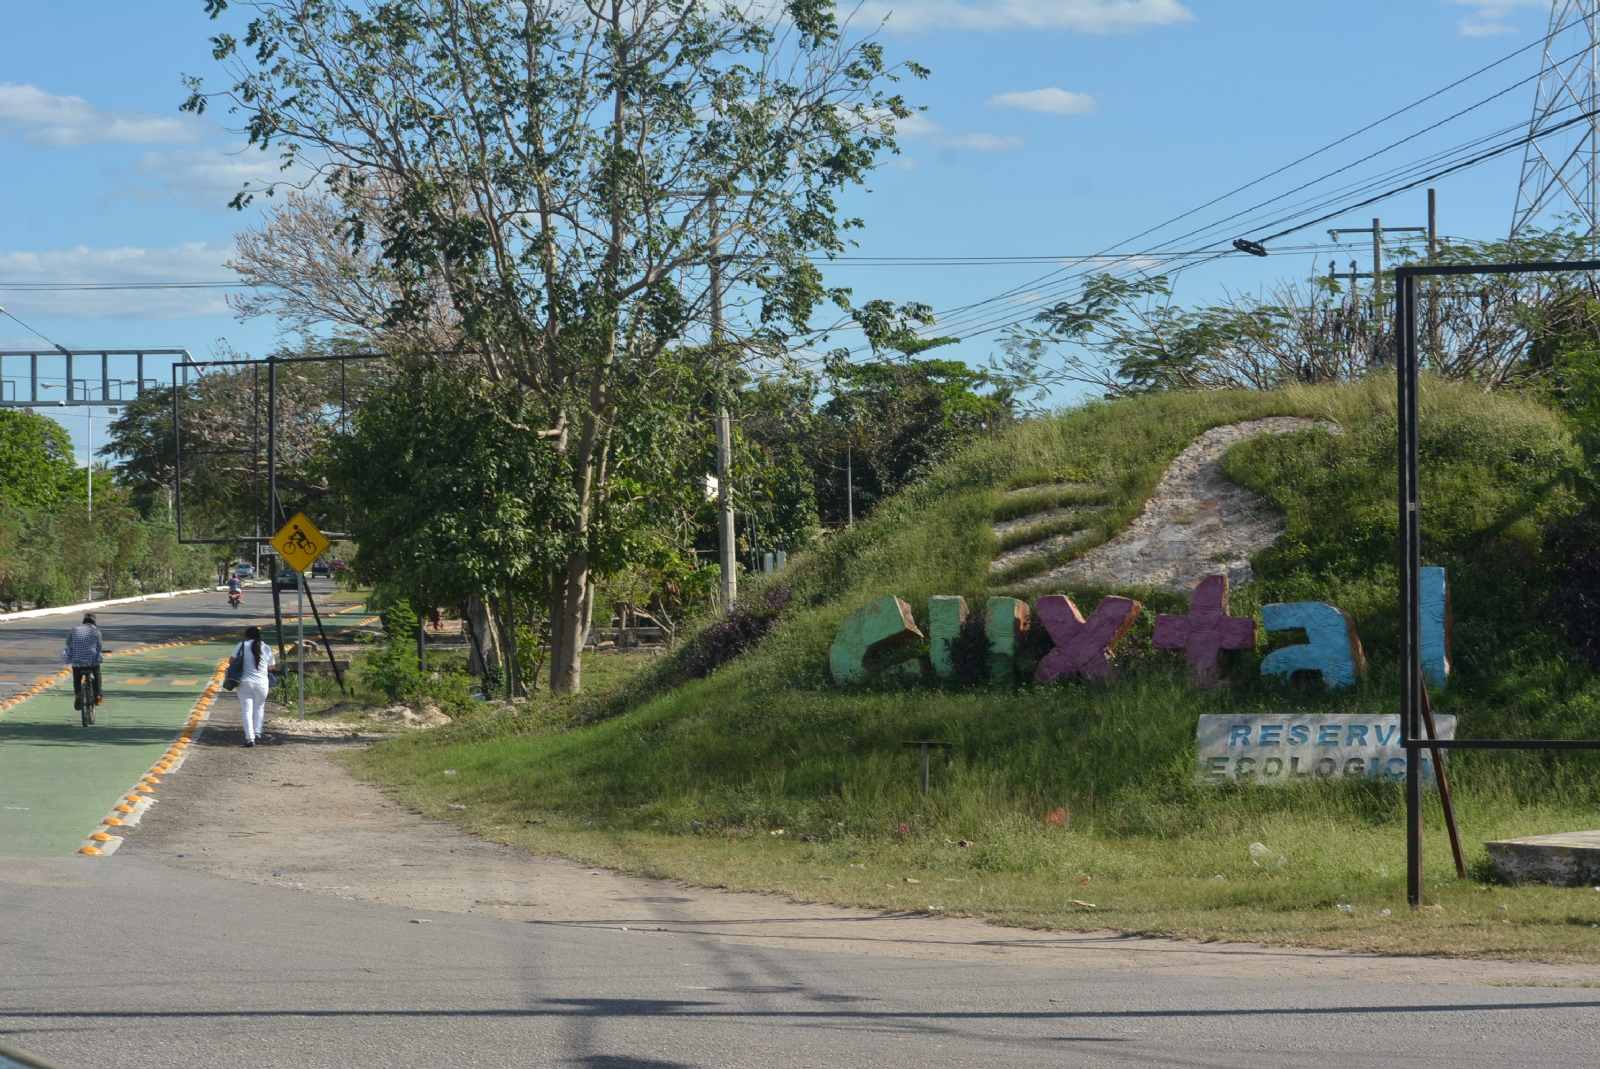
<point>769,742</point>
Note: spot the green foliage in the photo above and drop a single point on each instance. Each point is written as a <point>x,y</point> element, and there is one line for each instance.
<point>35,459</point>
<point>450,495</point>
<point>768,740</point>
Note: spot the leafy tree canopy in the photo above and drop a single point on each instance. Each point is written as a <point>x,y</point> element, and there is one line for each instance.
<point>35,459</point>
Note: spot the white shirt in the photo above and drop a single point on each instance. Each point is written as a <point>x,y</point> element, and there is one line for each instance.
<point>255,675</point>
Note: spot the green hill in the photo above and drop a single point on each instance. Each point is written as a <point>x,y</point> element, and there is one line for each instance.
<point>694,779</point>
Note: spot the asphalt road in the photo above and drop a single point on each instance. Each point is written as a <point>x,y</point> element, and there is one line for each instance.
<point>139,959</point>
<point>31,649</point>
<point>124,961</point>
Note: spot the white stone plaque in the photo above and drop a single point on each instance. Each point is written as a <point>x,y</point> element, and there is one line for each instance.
<point>1261,748</point>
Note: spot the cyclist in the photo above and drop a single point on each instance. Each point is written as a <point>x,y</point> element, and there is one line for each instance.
<point>85,653</point>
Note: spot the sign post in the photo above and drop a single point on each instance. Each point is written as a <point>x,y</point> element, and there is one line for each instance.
<point>299,542</point>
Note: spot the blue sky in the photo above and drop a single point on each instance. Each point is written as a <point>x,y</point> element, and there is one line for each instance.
<point>1054,128</point>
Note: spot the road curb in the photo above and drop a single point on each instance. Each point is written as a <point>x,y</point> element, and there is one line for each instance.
<point>90,606</point>
<point>141,796</point>
<point>66,673</point>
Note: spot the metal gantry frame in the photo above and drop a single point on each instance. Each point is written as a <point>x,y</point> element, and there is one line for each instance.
<point>274,507</point>
<point>80,390</point>
<point>1413,688</point>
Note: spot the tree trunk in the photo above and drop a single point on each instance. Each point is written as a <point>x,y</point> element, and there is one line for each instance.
<point>571,627</point>
<point>485,640</point>
<point>505,621</point>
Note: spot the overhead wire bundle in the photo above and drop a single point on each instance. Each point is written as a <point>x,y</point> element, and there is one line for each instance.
<point>1307,203</point>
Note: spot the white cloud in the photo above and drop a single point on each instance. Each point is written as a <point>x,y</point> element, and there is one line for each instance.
<point>85,266</point>
<point>1051,101</point>
<point>1087,16</point>
<point>918,125</point>
<point>1488,18</point>
<point>61,121</point>
<point>205,177</point>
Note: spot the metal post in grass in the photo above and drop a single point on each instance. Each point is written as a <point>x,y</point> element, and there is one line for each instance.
<point>926,746</point>
<point>1412,694</point>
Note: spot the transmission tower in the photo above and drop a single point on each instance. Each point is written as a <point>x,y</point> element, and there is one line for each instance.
<point>1561,165</point>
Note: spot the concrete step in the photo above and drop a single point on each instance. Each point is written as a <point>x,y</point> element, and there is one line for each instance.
<point>1571,859</point>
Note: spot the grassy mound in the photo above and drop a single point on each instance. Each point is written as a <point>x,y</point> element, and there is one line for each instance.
<point>698,779</point>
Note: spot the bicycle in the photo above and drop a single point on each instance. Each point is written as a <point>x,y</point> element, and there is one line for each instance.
<point>87,691</point>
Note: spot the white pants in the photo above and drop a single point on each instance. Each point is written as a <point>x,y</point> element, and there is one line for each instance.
<point>252,709</point>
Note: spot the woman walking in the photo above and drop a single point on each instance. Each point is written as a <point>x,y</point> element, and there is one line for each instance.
<point>253,682</point>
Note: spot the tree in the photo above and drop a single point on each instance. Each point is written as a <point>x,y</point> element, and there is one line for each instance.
<point>567,172</point>
<point>449,501</point>
<point>1125,336</point>
<point>35,459</point>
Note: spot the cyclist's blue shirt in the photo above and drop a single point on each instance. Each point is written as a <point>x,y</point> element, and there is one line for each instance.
<point>83,647</point>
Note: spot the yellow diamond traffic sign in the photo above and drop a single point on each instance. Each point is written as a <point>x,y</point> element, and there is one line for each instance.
<point>299,542</point>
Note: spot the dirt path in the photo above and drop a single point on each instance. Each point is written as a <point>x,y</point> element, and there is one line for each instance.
<point>284,814</point>
<point>1197,523</point>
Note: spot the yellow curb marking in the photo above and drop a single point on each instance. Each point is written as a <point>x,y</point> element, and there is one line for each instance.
<point>197,717</point>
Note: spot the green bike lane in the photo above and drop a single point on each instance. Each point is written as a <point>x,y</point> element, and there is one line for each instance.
<point>58,779</point>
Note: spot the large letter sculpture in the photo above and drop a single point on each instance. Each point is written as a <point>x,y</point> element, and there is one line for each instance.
<point>877,626</point>
<point>1206,631</point>
<point>1437,623</point>
<point>1333,649</point>
<point>946,614</point>
<point>1083,647</point>
<point>1006,627</point>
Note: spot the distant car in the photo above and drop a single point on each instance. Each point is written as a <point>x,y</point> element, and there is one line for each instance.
<point>244,571</point>
<point>287,579</point>
<point>336,565</point>
<point>320,569</point>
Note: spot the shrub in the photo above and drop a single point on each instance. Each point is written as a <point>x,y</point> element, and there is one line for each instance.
<point>746,626</point>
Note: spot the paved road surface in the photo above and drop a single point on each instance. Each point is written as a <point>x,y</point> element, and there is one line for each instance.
<point>123,961</point>
<point>58,778</point>
<point>155,959</point>
<point>31,649</point>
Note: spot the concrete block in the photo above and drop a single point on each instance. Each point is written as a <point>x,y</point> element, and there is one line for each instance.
<point>877,626</point>
<point>1006,625</point>
<point>1334,648</point>
<point>1571,859</point>
<point>1206,631</point>
<point>946,614</point>
<point>1083,647</point>
<point>1437,624</point>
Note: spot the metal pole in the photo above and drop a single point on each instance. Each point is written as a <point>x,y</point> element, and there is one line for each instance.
<point>924,770</point>
<point>300,643</point>
<point>422,645</point>
<point>272,486</point>
<point>725,533</point>
<point>333,662</point>
<point>88,460</point>
<point>1410,577</point>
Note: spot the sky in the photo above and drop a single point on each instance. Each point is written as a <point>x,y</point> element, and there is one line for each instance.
<point>1053,129</point>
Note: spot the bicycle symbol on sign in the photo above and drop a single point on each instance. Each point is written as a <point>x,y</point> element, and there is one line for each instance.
<point>299,542</point>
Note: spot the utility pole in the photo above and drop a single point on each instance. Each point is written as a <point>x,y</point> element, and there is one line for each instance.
<point>849,488</point>
<point>1377,230</point>
<point>1433,224</point>
<point>725,543</point>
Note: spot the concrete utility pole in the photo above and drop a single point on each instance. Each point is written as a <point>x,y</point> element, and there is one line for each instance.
<point>1433,223</point>
<point>725,545</point>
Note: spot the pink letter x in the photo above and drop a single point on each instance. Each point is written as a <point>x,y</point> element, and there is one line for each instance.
<point>1206,631</point>
<point>1083,647</point>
